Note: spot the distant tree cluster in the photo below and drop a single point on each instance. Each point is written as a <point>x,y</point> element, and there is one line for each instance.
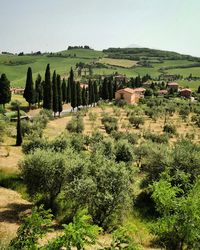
<point>79,47</point>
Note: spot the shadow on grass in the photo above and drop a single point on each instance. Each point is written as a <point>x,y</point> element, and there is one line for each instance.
<point>14,212</point>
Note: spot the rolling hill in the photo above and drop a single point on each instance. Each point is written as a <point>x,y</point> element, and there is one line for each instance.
<point>128,61</point>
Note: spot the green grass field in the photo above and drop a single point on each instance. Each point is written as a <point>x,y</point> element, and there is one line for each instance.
<point>16,67</point>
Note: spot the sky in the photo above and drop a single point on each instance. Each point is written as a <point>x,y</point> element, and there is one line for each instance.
<point>53,25</point>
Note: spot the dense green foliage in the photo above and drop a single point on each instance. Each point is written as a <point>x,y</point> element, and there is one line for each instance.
<point>5,93</point>
<point>29,92</point>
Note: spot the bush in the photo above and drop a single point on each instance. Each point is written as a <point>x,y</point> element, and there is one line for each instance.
<point>76,124</point>
<point>130,137</point>
<point>34,227</point>
<point>120,103</point>
<point>14,105</point>
<point>43,172</point>
<point>163,138</point>
<point>136,121</point>
<point>169,128</point>
<point>32,143</point>
<point>110,123</point>
<point>124,151</point>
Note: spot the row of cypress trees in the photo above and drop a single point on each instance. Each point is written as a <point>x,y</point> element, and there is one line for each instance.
<point>54,93</point>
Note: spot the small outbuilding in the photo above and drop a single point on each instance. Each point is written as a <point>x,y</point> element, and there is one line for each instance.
<point>186,93</point>
<point>173,86</point>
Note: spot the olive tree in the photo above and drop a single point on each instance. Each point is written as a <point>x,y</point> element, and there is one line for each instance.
<point>43,173</point>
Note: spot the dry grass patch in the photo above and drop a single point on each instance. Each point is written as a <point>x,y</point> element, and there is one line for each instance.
<point>12,207</point>
<point>118,62</point>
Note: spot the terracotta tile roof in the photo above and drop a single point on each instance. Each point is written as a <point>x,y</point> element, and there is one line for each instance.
<point>139,89</point>
<point>128,90</point>
<point>172,84</point>
<point>186,90</point>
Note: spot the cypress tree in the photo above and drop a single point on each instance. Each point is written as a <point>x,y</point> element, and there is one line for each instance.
<point>87,96</point>
<point>89,92</point>
<point>114,88</point>
<point>5,93</point>
<point>55,93</point>
<point>105,92</point>
<point>29,94</point>
<point>79,96</point>
<point>64,91</point>
<point>96,94</point>
<point>73,87</point>
<point>84,98</point>
<point>74,96</point>
<point>38,90</point>
<point>92,94</point>
<point>47,90</point>
<point>60,108</point>
<point>19,132</point>
<point>68,97</point>
<point>110,90</point>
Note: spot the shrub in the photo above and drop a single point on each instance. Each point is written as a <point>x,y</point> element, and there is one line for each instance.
<point>59,144</point>
<point>130,137</point>
<point>33,228</point>
<point>32,143</point>
<point>169,128</point>
<point>163,138</point>
<point>120,103</point>
<point>76,124</point>
<point>77,142</point>
<point>110,123</point>
<point>124,151</point>
<point>14,105</point>
<point>43,172</point>
<point>184,112</point>
<point>136,121</point>
<point>77,234</point>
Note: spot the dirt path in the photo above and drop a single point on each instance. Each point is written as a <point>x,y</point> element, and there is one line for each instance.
<point>12,206</point>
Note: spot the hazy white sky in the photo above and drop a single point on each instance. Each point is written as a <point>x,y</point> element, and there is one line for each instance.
<point>52,25</point>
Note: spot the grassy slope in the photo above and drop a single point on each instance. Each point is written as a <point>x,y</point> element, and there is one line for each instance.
<point>17,73</point>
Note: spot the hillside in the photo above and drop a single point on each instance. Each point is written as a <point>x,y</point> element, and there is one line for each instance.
<point>128,61</point>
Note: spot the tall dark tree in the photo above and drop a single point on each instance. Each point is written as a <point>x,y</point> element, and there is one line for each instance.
<point>38,89</point>
<point>55,93</point>
<point>29,93</point>
<point>19,131</point>
<point>79,96</point>
<point>105,92</point>
<point>90,92</point>
<point>68,96</point>
<point>110,89</point>
<point>59,87</point>
<point>84,97</point>
<point>96,93</point>
<point>5,93</point>
<point>114,88</point>
<point>47,90</point>
<point>73,89</point>
<point>64,91</point>
<point>74,96</point>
